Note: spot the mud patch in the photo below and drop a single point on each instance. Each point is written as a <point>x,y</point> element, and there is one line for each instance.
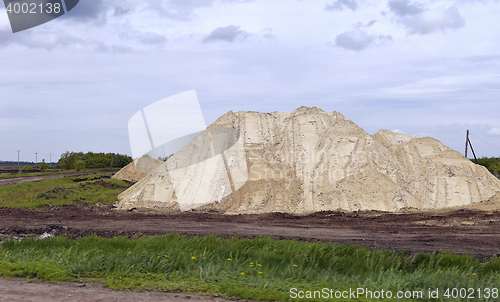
<point>55,193</point>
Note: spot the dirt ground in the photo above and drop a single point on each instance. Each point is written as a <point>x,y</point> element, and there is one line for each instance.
<point>471,231</point>
<point>462,231</point>
<point>18,290</point>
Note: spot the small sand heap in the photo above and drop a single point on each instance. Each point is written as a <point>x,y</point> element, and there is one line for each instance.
<point>309,160</point>
<point>138,169</point>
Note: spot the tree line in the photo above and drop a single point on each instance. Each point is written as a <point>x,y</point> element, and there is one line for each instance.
<point>91,160</point>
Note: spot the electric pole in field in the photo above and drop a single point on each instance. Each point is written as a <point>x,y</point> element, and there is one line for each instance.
<point>18,159</point>
<point>468,143</point>
<point>50,161</point>
<point>36,159</point>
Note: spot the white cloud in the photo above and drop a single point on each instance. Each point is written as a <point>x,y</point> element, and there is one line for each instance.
<point>494,131</point>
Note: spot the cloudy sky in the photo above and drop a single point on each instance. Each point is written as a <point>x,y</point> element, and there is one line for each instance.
<point>426,68</point>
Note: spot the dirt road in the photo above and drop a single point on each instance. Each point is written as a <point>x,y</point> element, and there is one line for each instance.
<point>18,290</point>
<point>461,231</point>
<point>17,180</point>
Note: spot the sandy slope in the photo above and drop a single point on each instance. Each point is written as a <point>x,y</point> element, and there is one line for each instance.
<point>309,160</point>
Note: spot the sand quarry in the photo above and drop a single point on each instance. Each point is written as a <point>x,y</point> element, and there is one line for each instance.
<point>303,162</point>
<point>342,185</point>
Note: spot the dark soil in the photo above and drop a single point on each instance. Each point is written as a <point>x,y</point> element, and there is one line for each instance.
<point>462,231</point>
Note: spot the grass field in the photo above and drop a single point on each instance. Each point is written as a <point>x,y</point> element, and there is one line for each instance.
<point>257,269</point>
<point>91,189</point>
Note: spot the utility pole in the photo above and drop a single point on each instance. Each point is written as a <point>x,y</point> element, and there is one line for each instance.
<point>50,161</point>
<point>36,160</point>
<point>18,159</point>
<point>467,142</point>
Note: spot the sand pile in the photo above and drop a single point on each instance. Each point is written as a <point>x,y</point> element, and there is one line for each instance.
<point>138,169</point>
<point>306,161</point>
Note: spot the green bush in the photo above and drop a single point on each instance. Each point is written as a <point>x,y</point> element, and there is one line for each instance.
<point>68,160</point>
<point>43,165</point>
<point>27,168</point>
<point>80,164</point>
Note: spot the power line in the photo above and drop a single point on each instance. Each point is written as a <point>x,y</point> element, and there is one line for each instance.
<point>487,142</point>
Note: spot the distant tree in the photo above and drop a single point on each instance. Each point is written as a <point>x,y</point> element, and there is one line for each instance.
<point>165,158</point>
<point>43,165</point>
<point>68,160</point>
<point>93,160</point>
<point>80,164</point>
<point>116,161</point>
<point>27,168</point>
<point>146,156</point>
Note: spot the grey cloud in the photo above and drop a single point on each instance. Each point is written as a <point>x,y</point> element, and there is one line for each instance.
<point>152,39</point>
<point>97,11</point>
<point>33,40</point>
<point>121,10</point>
<point>478,1</point>
<point>418,19</point>
<point>89,10</point>
<point>483,58</point>
<point>405,8</point>
<point>229,33</point>
<point>369,24</point>
<point>103,48</point>
<point>268,34</point>
<point>358,40</point>
<point>180,10</point>
<point>147,38</point>
<point>342,4</point>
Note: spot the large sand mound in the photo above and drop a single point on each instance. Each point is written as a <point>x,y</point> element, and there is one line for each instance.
<point>309,160</point>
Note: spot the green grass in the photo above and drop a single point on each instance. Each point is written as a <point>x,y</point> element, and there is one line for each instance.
<point>257,269</point>
<point>62,191</point>
<point>49,172</point>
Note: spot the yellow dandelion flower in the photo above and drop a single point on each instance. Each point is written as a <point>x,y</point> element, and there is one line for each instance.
<point>259,265</point>
<point>203,258</point>
<point>165,256</point>
<point>193,257</point>
<point>260,273</point>
<point>295,265</point>
<point>242,274</point>
<point>474,274</point>
<point>228,259</point>
<point>251,265</point>
<point>158,257</point>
